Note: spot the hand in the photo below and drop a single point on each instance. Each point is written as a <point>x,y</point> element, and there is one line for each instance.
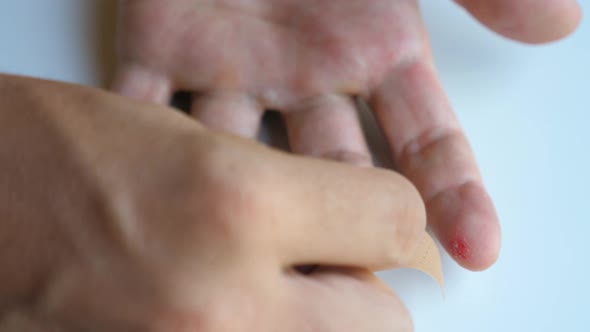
<point>122,216</point>
<point>308,59</point>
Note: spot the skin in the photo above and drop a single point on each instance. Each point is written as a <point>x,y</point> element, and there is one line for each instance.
<point>310,60</point>
<point>117,215</point>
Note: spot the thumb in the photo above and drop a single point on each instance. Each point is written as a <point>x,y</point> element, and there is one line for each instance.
<point>529,21</point>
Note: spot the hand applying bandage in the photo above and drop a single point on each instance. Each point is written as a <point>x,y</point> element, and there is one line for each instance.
<point>118,215</point>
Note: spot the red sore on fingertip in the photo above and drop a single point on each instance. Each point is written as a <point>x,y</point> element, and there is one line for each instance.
<point>460,249</point>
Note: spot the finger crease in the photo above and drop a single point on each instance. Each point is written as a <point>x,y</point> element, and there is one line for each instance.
<point>427,139</point>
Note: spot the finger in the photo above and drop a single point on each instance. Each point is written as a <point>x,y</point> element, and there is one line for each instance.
<point>235,113</point>
<point>143,84</point>
<point>328,127</point>
<point>430,148</point>
<point>330,213</point>
<point>531,21</point>
<point>342,301</point>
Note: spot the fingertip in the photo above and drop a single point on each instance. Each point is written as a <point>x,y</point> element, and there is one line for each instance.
<point>532,22</point>
<point>551,25</point>
<point>466,224</point>
<point>475,253</point>
<point>577,14</point>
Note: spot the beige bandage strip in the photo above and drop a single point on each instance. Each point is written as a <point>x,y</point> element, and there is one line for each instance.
<point>427,259</point>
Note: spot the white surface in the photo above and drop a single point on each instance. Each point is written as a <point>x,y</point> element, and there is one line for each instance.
<point>525,109</point>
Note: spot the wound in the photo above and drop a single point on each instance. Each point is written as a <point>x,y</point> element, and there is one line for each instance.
<point>460,249</point>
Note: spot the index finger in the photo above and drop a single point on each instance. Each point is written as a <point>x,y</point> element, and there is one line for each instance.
<point>430,148</point>
<point>339,215</point>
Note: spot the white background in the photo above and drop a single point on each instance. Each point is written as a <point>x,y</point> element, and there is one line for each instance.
<point>524,108</point>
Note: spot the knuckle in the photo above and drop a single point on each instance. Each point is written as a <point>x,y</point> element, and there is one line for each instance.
<point>234,200</point>
<point>234,209</point>
<point>200,196</point>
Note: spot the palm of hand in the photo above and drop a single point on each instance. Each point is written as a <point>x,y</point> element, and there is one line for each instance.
<point>309,60</point>
<point>279,52</point>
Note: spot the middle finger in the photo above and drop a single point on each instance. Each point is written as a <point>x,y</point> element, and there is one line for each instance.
<point>328,127</point>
